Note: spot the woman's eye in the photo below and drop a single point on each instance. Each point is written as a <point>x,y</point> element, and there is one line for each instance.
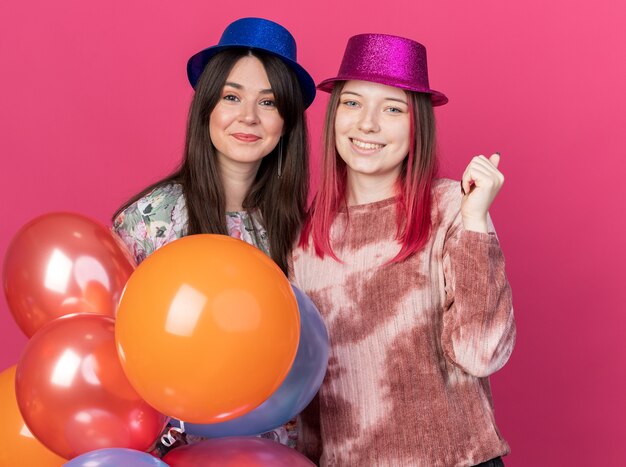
<point>394,110</point>
<point>268,103</point>
<point>350,103</point>
<point>230,97</point>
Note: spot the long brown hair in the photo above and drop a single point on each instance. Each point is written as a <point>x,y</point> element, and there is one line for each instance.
<point>413,187</point>
<point>280,200</point>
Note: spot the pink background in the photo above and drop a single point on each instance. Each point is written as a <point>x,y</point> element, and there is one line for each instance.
<point>93,104</point>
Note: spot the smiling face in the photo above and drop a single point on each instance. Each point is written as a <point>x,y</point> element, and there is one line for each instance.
<point>245,125</point>
<point>372,131</point>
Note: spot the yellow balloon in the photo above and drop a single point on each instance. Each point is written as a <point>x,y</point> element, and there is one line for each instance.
<point>19,446</point>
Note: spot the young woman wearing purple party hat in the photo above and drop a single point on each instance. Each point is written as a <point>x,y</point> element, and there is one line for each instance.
<point>408,274</point>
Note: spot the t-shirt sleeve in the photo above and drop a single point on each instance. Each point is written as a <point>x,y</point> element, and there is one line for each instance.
<point>478,325</point>
<point>131,228</point>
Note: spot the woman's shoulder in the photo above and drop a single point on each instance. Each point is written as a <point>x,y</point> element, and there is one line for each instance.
<point>446,201</point>
<point>157,205</point>
<point>153,220</point>
<point>446,186</point>
<point>447,193</point>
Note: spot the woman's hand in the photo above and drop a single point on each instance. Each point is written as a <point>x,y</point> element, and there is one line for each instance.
<point>480,184</point>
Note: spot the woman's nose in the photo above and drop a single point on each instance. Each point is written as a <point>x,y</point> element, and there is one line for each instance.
<point>368,122</point>
<point>249,113</point>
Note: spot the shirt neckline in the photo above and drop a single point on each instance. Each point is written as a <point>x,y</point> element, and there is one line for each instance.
<point>373,206</point>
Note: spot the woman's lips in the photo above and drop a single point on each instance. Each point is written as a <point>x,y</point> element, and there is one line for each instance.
<point>246,137</point>
<point>365,146</point>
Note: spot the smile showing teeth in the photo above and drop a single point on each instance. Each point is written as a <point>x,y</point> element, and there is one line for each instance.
<point>364,145</point>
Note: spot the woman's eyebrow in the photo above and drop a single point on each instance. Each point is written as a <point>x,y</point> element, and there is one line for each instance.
<point>233,85</point>
<point>396,100</point>
<point>386,98</point>
<point>239,86</point>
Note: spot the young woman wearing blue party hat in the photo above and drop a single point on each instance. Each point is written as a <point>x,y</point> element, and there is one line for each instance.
<point>244,171</point>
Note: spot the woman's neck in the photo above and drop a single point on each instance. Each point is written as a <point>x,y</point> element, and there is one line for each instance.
<point>237,180</point>
<point>364,190</point>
